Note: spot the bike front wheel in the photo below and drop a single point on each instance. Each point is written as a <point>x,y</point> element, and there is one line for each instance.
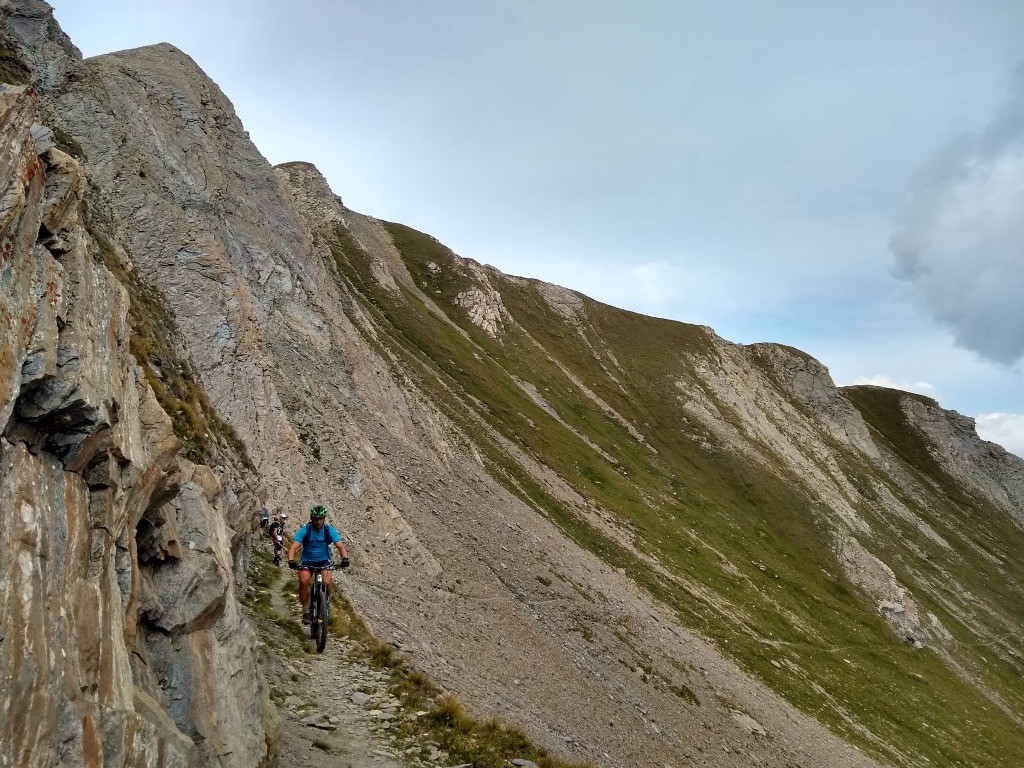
<point>320,624</point>
<point>314,613</point>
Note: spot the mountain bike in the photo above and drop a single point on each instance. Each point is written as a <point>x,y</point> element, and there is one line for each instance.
<point>319,604</point>
<point>277,539</point>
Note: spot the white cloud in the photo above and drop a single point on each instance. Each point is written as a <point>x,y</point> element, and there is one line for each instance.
<point>881,380</point>
<point>1006,429</point>
<point>961,240</point>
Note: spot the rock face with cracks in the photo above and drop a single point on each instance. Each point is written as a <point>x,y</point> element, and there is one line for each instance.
<point>122,642</point>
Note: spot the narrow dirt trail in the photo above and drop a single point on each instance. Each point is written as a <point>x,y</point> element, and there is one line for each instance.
<point>337,712</point>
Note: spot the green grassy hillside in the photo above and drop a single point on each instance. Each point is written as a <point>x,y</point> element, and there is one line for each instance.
<point>735,542</point>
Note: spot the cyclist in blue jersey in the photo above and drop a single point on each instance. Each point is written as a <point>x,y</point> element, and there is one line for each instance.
<point>315,538</point>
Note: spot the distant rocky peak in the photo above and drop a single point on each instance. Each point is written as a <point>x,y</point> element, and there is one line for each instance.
<point>35,40</point>
<point>311,192</point>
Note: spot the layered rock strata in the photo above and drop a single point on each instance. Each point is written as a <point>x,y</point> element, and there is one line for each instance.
<point>122,642</point>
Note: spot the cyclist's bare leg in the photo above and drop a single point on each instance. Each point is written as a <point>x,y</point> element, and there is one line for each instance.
<point>328,580</point>
<point>304,589</point>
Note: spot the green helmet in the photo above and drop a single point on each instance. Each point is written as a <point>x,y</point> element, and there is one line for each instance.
<point>318,513</point>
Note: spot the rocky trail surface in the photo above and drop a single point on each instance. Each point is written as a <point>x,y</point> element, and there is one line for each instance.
<point>338,711</point>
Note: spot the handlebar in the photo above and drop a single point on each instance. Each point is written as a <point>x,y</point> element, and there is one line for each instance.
<point>332,566</point>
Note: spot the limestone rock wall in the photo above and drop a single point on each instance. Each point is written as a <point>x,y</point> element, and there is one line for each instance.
<point>46,57</point>
<point>203,216</point>
<point>121,642</point>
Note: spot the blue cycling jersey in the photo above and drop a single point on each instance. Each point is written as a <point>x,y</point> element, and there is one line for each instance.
<point>316,545</point>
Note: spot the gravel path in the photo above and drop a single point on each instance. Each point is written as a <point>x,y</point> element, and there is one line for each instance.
<point>337,712</point>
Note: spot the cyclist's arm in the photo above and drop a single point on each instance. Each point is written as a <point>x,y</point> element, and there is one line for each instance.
<point>293,549</point>
<point>338,543</point>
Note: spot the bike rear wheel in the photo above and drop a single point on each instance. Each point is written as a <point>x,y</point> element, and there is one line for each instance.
<point>321,621</point>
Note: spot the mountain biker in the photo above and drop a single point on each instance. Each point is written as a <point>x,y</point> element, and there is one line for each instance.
<point>276,533</point>
<point>315,538</point>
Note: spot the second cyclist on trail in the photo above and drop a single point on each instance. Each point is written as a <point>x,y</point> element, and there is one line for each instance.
<point>315,538</point>
<point>276,533</point>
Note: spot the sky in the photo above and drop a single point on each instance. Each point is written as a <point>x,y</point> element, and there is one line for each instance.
<point>844,178</point>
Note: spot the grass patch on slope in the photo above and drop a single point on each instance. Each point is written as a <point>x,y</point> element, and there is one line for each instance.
<point>261,579</point>
<point>880,407</point>
<point>974,582</point>
<point>12,69</point>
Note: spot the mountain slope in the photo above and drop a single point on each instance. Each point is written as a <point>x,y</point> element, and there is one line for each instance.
<point>752,495</point>
<point>552,501</point>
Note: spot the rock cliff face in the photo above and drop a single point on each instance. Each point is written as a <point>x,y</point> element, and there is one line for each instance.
<point>549,501</point>
<point>122,641</point>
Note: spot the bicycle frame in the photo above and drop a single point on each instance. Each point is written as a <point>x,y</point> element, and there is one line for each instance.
<point>319,604</point>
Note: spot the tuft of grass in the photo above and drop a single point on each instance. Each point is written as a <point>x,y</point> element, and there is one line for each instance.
<point>414,687</point>
<point>67,143</point>
<point>684,693</point>
<point>484,743</point>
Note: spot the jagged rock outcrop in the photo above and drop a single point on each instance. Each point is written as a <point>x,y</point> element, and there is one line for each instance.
<point>985,468</point>
<point>122,641</point>
<point>37,51</point>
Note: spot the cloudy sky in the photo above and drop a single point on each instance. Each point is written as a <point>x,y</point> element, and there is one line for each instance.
<point>846,178</point>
